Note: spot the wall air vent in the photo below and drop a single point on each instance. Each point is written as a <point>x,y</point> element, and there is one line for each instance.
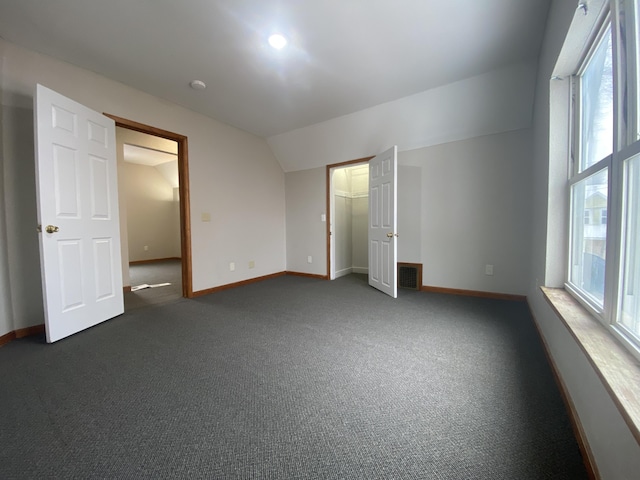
<point>410,276</point>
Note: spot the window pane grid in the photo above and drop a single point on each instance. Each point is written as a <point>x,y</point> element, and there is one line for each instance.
<point>589,201</point>
<point>604,180</point>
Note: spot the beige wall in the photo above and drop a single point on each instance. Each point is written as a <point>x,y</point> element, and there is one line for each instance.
<point>234,178</point>
<point>149,205</point>
<point>152,219</point>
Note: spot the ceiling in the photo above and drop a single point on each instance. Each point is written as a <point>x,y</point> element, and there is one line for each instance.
<point>147,156</point>
<point>343,55</point>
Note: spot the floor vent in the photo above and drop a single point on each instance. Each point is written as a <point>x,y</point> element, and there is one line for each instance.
<point>410,275</point>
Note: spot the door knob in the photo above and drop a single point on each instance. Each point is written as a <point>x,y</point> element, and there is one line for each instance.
<point>51,229</point>
<point>390,235</point>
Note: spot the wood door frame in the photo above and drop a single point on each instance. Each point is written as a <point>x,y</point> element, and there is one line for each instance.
<point>183,187</point>
<point>328,203</point>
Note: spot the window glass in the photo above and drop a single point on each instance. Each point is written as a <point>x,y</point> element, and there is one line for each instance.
<point>589,236</point>
<point>629,313</point>
<point>596,105</point>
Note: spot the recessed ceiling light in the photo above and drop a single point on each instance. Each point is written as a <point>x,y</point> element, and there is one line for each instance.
<point>198,85</point>
<point>277,41</point>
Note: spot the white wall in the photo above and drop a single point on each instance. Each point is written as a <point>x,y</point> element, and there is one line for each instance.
<point>360,234</point>
<point>6,316</point>
<point>342,221</point>
<point>306,232</point>
<point>410,216</point>
<point>22,250</point>
<point>233,176</point>
<point>494,102</point>
<point>476,199</point>
<point>616,452</point>
<point>462,205</point>
<point>343,233</point>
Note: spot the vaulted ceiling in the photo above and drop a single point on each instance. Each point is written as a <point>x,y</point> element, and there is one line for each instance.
<point>343,55</point>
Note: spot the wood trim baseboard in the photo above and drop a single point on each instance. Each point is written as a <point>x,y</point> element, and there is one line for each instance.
<point>308,275</point>
<point>21,333</point>
<point>576,425</point>
<point>474,293</point>
<point>199,293</point>
<point>7,337</point>
<point>153,260</point>
<point>29,331</point>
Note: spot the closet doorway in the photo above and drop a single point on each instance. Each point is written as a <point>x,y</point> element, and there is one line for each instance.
<point>348,218</point>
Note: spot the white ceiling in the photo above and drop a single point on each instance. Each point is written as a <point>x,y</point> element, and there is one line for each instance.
<point>343,55</point>
<point>147,156</point>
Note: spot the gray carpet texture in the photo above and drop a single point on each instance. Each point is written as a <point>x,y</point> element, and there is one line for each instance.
<point>153,273</point>
<point>290,378</point>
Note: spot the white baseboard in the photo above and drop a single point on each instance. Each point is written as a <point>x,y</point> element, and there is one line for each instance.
<point>343,272</point>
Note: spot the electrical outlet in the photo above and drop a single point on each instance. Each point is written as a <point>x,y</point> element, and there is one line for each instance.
<point>146,248</point>
<point>488,269</point>
<point>252,264</point>
<point>232,266</point>
<point>309,259</point>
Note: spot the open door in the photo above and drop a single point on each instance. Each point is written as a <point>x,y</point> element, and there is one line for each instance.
<point>76,184</point>
<point>383,248</point>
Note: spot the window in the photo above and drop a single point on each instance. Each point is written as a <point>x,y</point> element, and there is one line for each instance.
<point>590,180</point>
<point>604,181</point>
<point>588,252</point>
<point>596,104</point>
<point>629,314</point>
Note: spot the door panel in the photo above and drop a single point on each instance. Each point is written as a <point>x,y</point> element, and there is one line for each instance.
<point>382,222</point>
<point>100,200</point>
<point>77,199</point>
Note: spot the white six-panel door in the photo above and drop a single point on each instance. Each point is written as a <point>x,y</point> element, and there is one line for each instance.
<point>78,213</point>
<point>382,222</point>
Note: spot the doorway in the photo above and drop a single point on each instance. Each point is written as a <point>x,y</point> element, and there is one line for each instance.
<point>347,218</point>
<point>182,193</point>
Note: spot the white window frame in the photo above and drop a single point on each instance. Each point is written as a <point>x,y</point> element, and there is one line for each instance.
<point>626,145</point>
<point>576,176</point>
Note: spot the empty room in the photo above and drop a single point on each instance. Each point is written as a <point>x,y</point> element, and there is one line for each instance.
<point>384,239</point>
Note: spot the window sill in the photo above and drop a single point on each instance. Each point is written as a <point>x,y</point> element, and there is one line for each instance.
<point>616,367</point>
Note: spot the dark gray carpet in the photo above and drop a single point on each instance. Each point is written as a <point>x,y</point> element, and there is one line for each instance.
<point>153,273</point>
<point>290,378</point>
